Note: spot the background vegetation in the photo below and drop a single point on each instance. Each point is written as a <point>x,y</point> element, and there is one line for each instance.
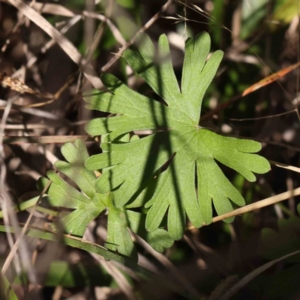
<point>242,260</point>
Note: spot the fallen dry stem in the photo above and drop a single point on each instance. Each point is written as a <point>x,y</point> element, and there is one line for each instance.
<point>284,166</point>
<point>62,41</point>
<point>132,40</point>
<point>257,205</point>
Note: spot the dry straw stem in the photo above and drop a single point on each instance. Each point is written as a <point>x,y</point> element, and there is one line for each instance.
<point>257,205</point>
<point>63,42</point>
<point>263,203</point>
<point>67,46</point>
<point>132,40</point>
<point>57,9</point>
<point>50,43</point>
<point>244,281</point>
<point>19,238</point>
<point>33,111</point>
<point>284,166</point>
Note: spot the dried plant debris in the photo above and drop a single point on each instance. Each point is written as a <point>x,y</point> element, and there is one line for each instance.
<point>19,86</point>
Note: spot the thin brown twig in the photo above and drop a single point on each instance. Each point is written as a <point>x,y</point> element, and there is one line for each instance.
<point>297,149</point>
<point>220,107</point>
<point>265,117</point>
<point>100,30</point>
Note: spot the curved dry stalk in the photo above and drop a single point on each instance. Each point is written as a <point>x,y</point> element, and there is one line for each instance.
<point>257,205</point>
<point>62,41</point>
<point>60,10</point>
<point>260,204</point>
<point>254,274</point>
<point>284,166</point>
<point>132,40</point>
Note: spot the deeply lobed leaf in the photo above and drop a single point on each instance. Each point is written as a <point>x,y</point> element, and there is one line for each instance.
<point>159,171</point>
<point>86,205</point>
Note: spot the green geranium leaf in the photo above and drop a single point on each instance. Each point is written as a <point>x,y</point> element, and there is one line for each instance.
<point>86,204</point>
<point>180,156</point>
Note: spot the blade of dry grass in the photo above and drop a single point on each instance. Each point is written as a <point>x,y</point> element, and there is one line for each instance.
<point>244,281</point>
<point>284,166</point>
<point>51,139</point>
<point>59,10</point>
<point>49,44</point>
<point>257,205</point>
<point>8,213</point>
<point>260,204</point>
<point>5,201</point>
<point>17,244</point>
<point>132,40</point>
<point>62,41</point>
